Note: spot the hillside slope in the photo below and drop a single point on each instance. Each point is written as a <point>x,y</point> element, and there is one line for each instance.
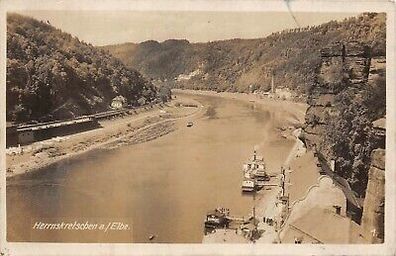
<point>51,74</point>
<point>237,64</point>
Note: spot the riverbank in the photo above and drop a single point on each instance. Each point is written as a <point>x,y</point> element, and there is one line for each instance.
<point>268,203</point>
<point>295,109</point>
<point>157,122</point>
<point>299,163</point>
<point>146,125</point>
<point>175,175</point>
<point>131,129</point>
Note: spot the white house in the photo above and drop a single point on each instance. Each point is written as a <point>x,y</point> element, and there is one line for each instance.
<point>118,102</point>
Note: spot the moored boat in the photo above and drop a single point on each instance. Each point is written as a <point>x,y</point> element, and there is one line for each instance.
<point>248,185</point>
<point>216,219</point>
<point>255,174</point>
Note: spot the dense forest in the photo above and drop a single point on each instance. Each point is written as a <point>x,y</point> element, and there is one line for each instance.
<point>51,74</point>
<point>349,135</point>
<point>242,64</point>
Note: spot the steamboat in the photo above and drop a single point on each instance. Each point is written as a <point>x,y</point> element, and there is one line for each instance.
<point>254,174</point>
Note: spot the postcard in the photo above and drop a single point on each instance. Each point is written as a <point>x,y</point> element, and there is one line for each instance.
<point>198,128</point>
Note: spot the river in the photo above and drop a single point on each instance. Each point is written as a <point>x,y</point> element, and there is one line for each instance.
<point>163,187</point>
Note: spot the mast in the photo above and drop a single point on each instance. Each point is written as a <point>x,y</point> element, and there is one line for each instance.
<point>254,210</point>
<point>283,180</point>
<point>254,205</point>
<point>272,83</point>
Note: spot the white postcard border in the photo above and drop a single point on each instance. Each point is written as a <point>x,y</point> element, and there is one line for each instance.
<point>388,248</point>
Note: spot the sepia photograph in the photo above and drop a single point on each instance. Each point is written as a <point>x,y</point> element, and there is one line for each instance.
<point>195,127</point>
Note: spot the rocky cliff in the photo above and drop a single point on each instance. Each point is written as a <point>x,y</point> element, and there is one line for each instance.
<point>374,202</point>
<point>343,65</point>
<point>348,96</point>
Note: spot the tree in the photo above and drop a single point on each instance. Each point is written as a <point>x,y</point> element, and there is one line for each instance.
<point>164,93</point>
<point>47,68</point>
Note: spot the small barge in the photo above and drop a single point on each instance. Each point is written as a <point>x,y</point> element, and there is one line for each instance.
<point>248,185</point>
<point>218,218</point>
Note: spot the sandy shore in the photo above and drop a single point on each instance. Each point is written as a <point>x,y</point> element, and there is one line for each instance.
<point>146,125</point>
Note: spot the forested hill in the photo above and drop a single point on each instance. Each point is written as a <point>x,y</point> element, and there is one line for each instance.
<point>234,65</point>
<point>51,74</point>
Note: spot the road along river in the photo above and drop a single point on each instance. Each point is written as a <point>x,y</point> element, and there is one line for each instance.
<point>162,188</point>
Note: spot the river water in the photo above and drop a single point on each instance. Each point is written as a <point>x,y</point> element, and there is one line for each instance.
<point>163,187</point>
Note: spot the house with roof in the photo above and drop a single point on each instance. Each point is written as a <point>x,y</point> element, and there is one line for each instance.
<point>321,217</point>
<point>118,102</point>
<point>323,226</point>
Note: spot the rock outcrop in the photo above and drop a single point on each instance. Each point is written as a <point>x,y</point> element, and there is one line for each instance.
<point>343,65</point>
<point>374,202</point>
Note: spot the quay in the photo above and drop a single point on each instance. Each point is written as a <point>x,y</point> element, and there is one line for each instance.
<point>27,133</point>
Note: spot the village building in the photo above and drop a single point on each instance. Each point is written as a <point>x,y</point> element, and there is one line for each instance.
<point>353,202</point>
<point>326,203</point>
<point>323,226</point>
<point>118,102</point>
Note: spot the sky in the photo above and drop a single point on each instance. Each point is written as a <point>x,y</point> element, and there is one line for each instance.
<point>115,27</point>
